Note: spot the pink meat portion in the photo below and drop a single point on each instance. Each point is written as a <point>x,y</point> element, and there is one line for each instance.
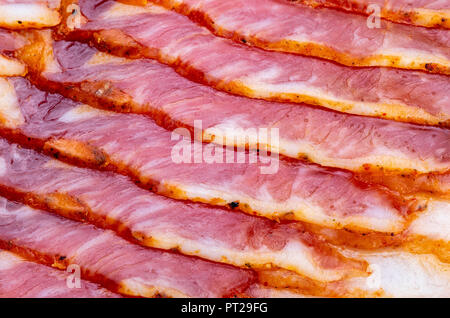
<point>272,21</point>
<point>147,153</point>
<point>103,256</point>
<point>177,101</point>
<point>175,40</point>
<point>113,201</point>
<point>23,279</point>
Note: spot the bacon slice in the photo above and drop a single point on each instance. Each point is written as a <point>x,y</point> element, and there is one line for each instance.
<point>344,38</point>
<point>428,233</point>
<point>20,278</point>
<point>193,51</point>
<point>23,14</point>
<point>111,261</point>
<point>9,43</point>
<point>395,273</point>
<point>113,202</point>
<point>362,144</point>
<point>175,166</point>
<point>71,202</point>
<point>435,13</point>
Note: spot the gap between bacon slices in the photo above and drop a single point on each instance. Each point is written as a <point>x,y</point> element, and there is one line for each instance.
<point>426,13</point>
<point>193,51</point>
<point>132,270</point>
<point>407,158</point>
<point>169,164</point>
<point>113,202</point>
<point>338,36</point>
<point>111,261</point>
<point>24,279</point>
<point>23,14</point>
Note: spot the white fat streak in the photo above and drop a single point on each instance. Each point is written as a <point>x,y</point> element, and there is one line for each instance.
<point>101,58</point>
<point>403,274</point>
<point>394,109</point>
<point>136,286</point>
<point>51,64</point>
<point>11,67</point>
<point>8,260</point>
<point>35,13</point>
<point>53,163</point>
<point>375,218</point>
<point>105,236</point>
<point>261,291</point>
<point>9,105</point>
<point>409,58</point>
<point>229,132</point>
<point>82,112</point>
<point>120,10</point>
<point>3,166</point>
<point>433,223</point>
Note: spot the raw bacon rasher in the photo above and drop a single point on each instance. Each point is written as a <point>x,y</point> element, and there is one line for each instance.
<point>173,39</point>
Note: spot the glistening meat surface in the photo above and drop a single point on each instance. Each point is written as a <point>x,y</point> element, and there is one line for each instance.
<point>22,14</point>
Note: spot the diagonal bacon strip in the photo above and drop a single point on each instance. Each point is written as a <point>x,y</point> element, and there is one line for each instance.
<point>383,261</point>
<point>173,39</point>
<point>23,14</point>
<point>426,13</point>
<point>24,279</point>
<point>111,261</point>
<point>330,139</point>
<point>173,165</point>
<point>113,202</point>
<point>341,37</point>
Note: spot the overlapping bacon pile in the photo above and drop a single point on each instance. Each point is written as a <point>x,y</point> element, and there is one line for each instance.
<point>93,92</point>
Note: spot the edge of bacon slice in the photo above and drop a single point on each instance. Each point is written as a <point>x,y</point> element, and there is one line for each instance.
<point>395,273</point>
<point>344,38</point>
<point>9,43</point>
<point>173,39</point>
<point>429,14</point>
<point>428,233</point>
<point>113,202</point>
<point>169,164</point>
<point>109,260</point>
<point>23,14</point>
<point>20,278</point>
<point>361,144</point>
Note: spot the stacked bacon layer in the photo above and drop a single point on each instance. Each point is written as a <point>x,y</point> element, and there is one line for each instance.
<point>205,148</point>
